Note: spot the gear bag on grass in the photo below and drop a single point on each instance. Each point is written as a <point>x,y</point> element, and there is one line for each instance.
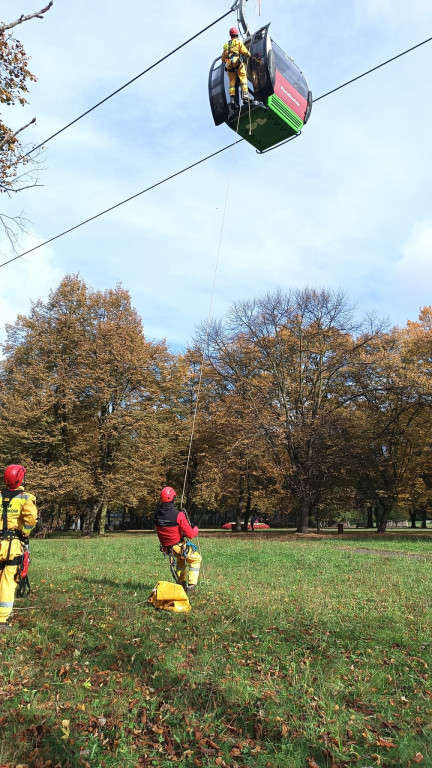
<point>170,597</point>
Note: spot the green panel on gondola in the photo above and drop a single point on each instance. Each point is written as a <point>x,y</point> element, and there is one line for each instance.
<point>268,126</point>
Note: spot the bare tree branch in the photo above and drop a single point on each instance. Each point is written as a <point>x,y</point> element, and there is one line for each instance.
<point>9,135</point>
<point>22,19</point>
<point>19,189</point>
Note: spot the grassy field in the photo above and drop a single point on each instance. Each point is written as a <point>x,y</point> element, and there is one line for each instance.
<point>298,653</point>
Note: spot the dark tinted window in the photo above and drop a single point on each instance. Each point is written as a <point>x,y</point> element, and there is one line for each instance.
<point>289,70</point>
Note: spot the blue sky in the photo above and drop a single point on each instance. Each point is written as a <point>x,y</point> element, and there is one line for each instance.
<point>347,205</point>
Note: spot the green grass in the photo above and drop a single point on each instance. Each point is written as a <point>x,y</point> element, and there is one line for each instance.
<point>296,653</point>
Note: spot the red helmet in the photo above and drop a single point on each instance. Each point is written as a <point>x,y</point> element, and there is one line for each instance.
<point>167,493</point>
<point>233,32</point>
<point>14,476</point>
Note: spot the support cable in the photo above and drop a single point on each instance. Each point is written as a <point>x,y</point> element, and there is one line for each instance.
<point>122,87</point>
<point>203,160</point>
<point>383,64</point>
<point>117,205</point>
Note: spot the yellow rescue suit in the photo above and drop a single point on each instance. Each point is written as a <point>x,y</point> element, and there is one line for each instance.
<point>186,554</point>
<point>232,56</point>
<point>21,517</point>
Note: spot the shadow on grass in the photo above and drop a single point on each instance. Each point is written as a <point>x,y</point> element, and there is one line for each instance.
<point>128,586</point>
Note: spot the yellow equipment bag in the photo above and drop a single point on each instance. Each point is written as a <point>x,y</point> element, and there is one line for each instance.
<point>170,597</point>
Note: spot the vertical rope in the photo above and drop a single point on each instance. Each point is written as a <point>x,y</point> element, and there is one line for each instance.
<point>208,325</point>
<point>208,322</point>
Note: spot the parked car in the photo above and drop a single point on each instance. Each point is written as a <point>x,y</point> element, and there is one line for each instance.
<point>257,526</point>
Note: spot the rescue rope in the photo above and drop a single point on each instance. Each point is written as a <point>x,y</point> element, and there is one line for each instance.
<point>204,346</point>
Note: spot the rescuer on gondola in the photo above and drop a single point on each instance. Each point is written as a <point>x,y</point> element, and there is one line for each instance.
<point>174,530</point>
<point>233,56</point>
<point>18,517</point>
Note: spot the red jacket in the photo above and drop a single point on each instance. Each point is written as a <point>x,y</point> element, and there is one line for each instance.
<point>171,525</point>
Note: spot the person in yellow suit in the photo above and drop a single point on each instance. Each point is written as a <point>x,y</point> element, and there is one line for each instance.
<point>233,56</point>
<point>18,517</point>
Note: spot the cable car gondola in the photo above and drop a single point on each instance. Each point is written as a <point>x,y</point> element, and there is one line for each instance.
<point>281,101</point>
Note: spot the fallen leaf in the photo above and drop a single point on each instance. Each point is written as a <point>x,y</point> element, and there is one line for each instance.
<point>418,758</point>
<point>311,763</point>
<point>384,743</point>
<point>65,729</point>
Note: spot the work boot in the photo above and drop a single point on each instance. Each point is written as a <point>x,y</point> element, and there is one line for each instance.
<point>246,98</point>
<point>232,102</point>
<point>4,627</point>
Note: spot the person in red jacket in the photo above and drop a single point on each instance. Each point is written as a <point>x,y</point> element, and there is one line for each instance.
<point>174,531</point>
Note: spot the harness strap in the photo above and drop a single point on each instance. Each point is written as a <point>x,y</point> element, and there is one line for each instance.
<point>7,497</point>
<point>13,533</point>
<point>4,518</point>
<point>17,560</point>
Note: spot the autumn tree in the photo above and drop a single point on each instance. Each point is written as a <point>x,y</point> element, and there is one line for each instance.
<point>16,166</point>
<point>234,470</point>
<point>288,356</point>
<point>83,400</point>
<point>396,422</point>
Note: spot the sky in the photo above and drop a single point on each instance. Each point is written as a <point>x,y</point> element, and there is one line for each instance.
<point>347,205</point>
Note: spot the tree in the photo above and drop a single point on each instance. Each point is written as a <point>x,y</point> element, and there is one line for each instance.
<point>289,357</point>
<point>16,168</point>
<point>395,425</point>
<point>83,400</point>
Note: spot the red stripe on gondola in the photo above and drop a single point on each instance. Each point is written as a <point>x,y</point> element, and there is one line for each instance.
<point>288,94</point>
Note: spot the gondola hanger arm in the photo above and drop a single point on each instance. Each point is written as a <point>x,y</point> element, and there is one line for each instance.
<point>241,20</point>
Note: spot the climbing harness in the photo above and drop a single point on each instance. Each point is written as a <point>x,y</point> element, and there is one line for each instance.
<point>235,59</point>
<point>22,560</point>
<point>167,552</point>
<point>186,548</point>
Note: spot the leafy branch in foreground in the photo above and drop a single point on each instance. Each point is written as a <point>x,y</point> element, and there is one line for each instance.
<point>17,169</point>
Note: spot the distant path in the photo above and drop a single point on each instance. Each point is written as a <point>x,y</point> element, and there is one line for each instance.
<point>384,552</point>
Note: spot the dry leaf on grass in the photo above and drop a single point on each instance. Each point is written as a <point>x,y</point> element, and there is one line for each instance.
<point>385,743</point>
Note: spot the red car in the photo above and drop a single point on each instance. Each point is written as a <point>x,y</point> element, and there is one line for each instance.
<point>257,526</point>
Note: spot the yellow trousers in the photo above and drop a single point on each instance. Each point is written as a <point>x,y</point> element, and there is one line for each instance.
<point>188,567</point>
<point>240,72</point>
<point>7,577</point>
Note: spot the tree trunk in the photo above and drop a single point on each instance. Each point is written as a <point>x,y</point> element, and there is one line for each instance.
<point>239,510</point>
<point>102,520</point>
<point>424,518</point>
<point>303,516</point>
<point>370,523</point>
<point>90,517</point>
<point>247,512</point>
<point>382,519</point>
<point>413,517</point>
<point>376,515</point>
